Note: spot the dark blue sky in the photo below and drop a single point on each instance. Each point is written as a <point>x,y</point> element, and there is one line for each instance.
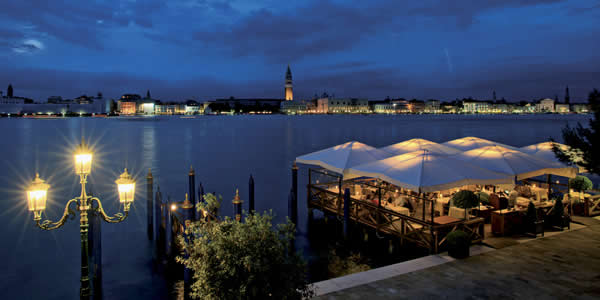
<point>204,49</point>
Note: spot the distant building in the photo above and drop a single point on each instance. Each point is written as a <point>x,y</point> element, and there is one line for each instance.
<point>432,106</point>
<point>401,106</point>
<point>294,107</point>
<point>416,106</point>
<point>561,108</point>
<point>247,104</point>
<point>350,105</point>
<point>384,108</point>
<point>473,106</point>
<point>546,105</point>
<point>580,108</point>
<point>192,107</point>
<point>449,108</point>
<point>127,107</point>
<point>289,95</point>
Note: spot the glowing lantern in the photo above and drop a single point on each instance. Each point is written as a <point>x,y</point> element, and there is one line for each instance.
<point>37,194</point>
<point>83,160</point>
<point>126,188</point>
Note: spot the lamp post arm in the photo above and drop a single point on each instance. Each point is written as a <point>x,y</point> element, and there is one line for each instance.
<point>117,218</point>
<point>49,225</point>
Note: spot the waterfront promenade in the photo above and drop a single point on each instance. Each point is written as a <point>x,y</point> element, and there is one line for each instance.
<point>562,266</point>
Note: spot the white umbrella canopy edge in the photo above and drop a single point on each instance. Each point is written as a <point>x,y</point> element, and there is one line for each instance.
<point>339,157</point>
<point>422,172</point>
<point>515,162</point>
<point>471,142</point>
<point>417,144</point>
<point>544,150</point>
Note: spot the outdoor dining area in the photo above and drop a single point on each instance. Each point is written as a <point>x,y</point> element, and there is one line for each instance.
<point>420,191</point>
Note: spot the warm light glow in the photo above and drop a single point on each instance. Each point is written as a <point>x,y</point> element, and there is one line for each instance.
<point>37,194</point>
<point>126,188</point>
<point>173,207</point>
<point>83,163</point>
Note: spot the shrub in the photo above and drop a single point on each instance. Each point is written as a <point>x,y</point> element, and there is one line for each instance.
<point>250,259</point>
<point>484,198</point>
<point>458,244</point>
<point>580,183</point>
<point>558,212</point>
<point>531,215</point>
<point>340,266</point>
<point>465,199</point>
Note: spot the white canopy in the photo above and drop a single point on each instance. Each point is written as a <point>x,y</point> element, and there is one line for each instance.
<point>339,158</point>
<point>419,144</point>
<point>421,171</point>
<point>544,151</point>
<point>471,142</point>
<point>509,161</point>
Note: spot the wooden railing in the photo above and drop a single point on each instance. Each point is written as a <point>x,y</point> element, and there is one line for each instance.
<point>422,232</point>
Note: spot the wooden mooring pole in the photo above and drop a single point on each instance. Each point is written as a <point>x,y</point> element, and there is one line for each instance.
<point>192,192</point>
<point>346,211</point>
<point>251,195</point>
<point>149,207</point>
<point>197,212</point>
<point>158,229</point>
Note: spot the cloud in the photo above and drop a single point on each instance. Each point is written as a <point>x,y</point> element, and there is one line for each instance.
<point>78,23</point>
<point>320,27</point>
<point>28,46</point>
<point>465,11</point>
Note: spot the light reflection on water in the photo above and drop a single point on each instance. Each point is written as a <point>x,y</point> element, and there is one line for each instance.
<point>224,152</point>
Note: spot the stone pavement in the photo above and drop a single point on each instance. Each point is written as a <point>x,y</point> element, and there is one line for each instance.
<point>563,266</point>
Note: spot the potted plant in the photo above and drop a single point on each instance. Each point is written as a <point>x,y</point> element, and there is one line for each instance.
<point>466,200</point>
<point>533,225</point>
<point>579,184</point>
<point>557,217</point>
<point>484,198</point>
<point>458,244</point>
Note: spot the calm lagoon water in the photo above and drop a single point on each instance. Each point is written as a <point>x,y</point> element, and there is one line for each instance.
<point>223,150</point>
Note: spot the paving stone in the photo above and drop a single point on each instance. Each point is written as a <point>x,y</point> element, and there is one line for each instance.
<point>566,265</point>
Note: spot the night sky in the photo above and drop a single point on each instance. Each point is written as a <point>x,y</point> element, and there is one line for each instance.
<point>203,49</point>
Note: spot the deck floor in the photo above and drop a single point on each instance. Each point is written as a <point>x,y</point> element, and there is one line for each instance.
<point>559,266</point>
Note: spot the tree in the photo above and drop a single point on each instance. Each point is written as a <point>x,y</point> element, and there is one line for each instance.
<point>465,199</point>
<point>583,144</point>
<point>250,259</point>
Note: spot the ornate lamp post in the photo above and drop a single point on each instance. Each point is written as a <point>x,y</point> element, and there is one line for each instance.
<point>37,196</point>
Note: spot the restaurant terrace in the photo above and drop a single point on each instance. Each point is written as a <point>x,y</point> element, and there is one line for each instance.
<point>405,190</point>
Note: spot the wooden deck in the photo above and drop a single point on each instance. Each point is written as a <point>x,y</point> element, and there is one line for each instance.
<point>428,233</point>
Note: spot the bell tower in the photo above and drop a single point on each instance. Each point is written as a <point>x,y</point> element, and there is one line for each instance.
<point>289,95</point>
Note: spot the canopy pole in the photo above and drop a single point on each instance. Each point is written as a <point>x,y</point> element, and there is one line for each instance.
<point>549,181</point>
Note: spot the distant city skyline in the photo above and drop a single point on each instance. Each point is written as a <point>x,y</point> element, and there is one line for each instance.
<point>205,49</point>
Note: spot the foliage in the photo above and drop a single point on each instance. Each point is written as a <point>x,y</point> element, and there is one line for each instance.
<point>580,183</point>
<point>458,243</point>
<point>583,143</point>
<point>483,197</point>
<point>340,266</point>
<point>465,199</point>
<point>250,259</point>
<point>211,204</point>
<point>558,211</point>
<point>531,216</point>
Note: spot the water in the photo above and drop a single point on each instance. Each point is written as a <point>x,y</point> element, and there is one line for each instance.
<point>224,151</point>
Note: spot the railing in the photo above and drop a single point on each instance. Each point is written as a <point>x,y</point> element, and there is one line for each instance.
<point>423,232</point>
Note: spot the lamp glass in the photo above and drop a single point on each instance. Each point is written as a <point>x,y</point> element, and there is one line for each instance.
<point>37,194</point>
<point>126,187</point>
<point>83,163</point>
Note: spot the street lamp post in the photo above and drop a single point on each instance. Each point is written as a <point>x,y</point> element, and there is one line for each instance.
<point>37,195</point>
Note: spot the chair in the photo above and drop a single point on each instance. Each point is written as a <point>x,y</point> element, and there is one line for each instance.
<point>524,191</point>
<point>458,213</point>
<point>497,202</point>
